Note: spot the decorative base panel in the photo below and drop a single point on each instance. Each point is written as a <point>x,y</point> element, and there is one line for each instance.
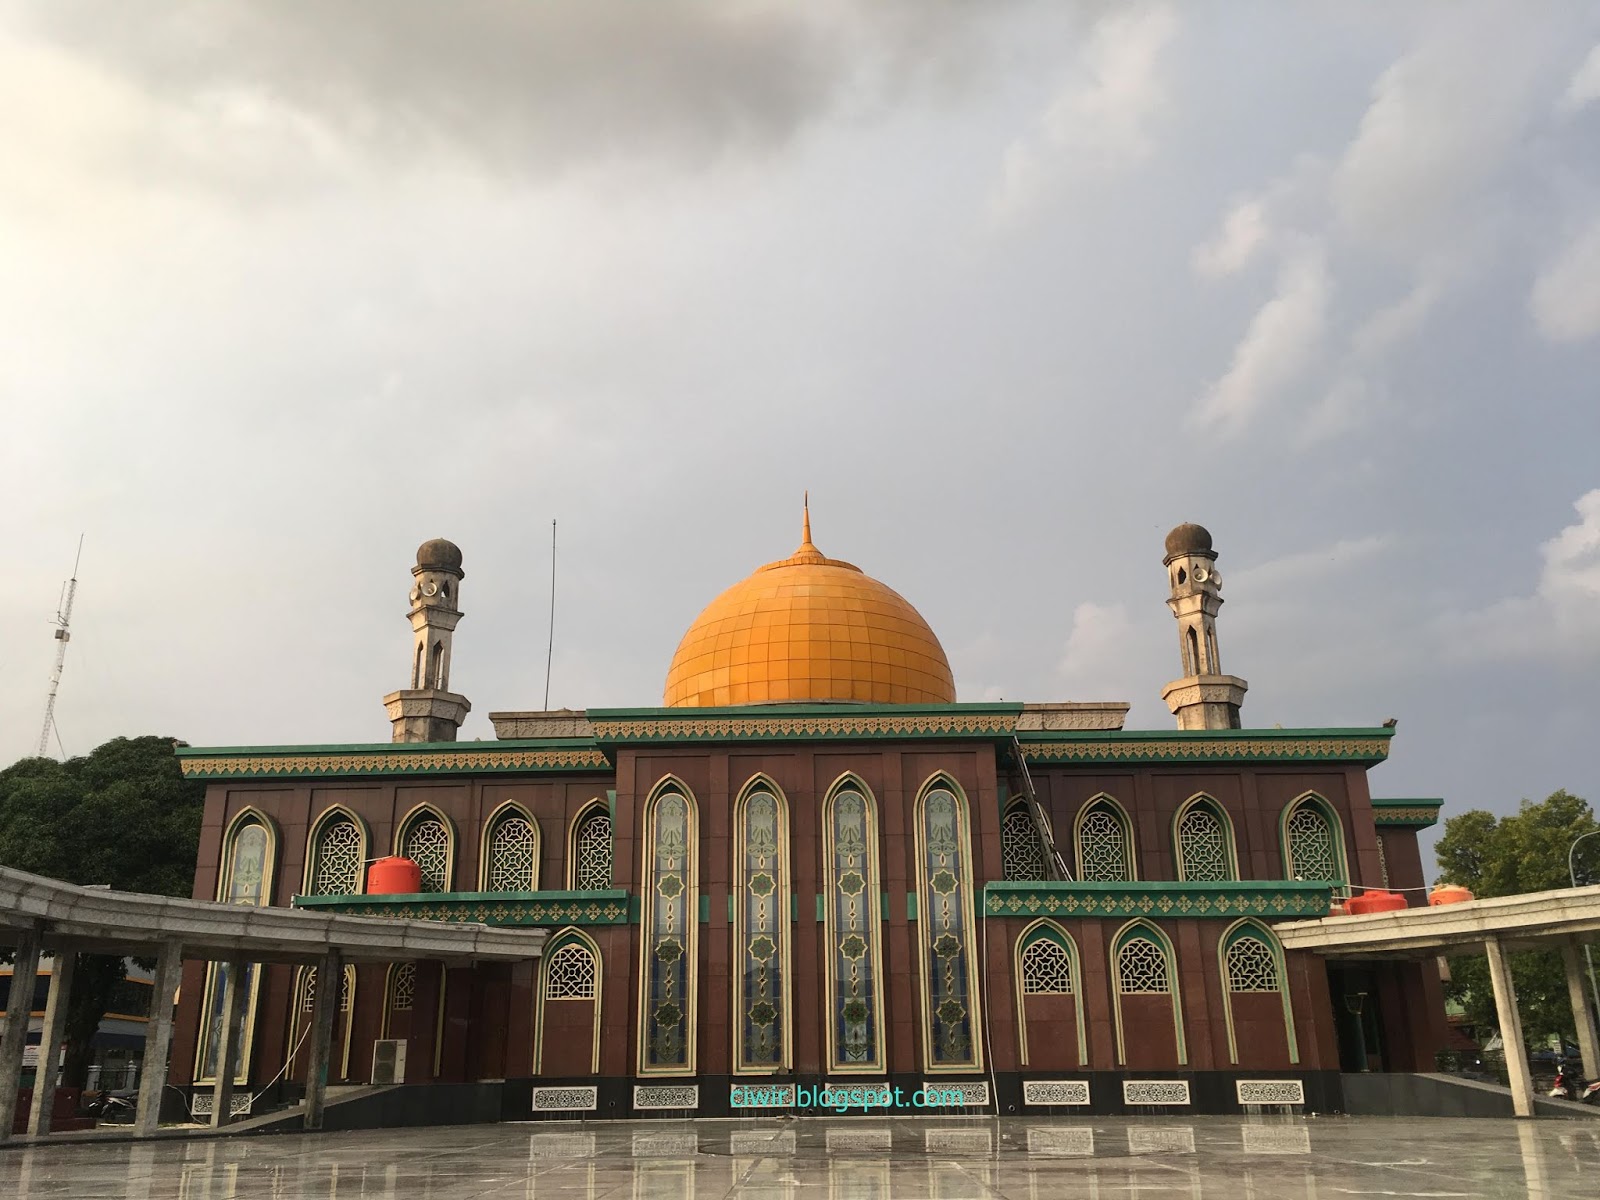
<point>1270,1091</point>
<point>1155,1091</point>
<point>566,1099</point>
<point>656,1096</point>
<point>203,1104</point>
<point>1039,1093</point>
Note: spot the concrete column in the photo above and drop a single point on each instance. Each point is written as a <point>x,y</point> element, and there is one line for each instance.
<point>228,1039</point>
<point>1582,1015</point>
<point>158,1038</point>
<point>55,1023</point>
<point>24,970</point>
<point>330,975</point>
<point>1505,1002</point>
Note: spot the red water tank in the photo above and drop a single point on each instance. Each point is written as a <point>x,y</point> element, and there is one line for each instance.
<point>1375,902</point>
<point>1448,893</point>
<point>394,877</point>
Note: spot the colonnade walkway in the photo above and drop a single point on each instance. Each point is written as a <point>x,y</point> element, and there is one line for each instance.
<point>1566,920</point>
<point>39,914</point>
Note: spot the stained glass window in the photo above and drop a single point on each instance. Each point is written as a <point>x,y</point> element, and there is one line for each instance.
<point>1251,966</point>
<point>570,973</point>
<point>246,881</point>
<point>1105,851</point>
<point>944,922</point>
<point>853,931</point>
<point>1204,852</point>
<point>1142,968</point>
<point>1046,968</point>
<point>337,857</point>
<point>669,926</point>
<point>427,843</point>
<point>592,851</point>
<point>1020,853</point>
<point>761,929</point>
<point>1313,846</point>
<point>513,863</point>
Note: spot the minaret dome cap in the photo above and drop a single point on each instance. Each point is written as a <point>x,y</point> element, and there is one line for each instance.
<point>1189,538</point>
<point>437,554</point>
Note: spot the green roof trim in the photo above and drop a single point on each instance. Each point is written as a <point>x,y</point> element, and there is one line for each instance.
<point>802,722</point>
<point>1416,813</point>
<point>1269,899</point>
<point>1096,746</point>
<point>532,756</point>
<point>610,906</point>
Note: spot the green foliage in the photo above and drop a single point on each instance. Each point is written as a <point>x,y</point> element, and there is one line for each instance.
<point>124,816</point>
<point>1525,852</point>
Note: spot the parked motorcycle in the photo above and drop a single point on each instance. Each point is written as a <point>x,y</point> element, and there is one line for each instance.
<point>114,1107</point>
<point>1570,1085</point>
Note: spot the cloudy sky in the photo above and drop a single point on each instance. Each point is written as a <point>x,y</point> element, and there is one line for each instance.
<point>1011,288</point>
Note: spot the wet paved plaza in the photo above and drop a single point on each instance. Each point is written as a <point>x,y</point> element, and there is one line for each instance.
<point>841,1159</point>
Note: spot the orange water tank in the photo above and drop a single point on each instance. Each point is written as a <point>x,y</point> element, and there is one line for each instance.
<point>1375,902</point>
<point>1449,893</point>
<point>394,877</point>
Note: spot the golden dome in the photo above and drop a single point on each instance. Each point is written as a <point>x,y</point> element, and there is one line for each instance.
<point>809,629</point>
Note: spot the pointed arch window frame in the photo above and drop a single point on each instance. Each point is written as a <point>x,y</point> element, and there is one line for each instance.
<point>1341,886</point>
<point>1206,800</point>
<point>872,929</point>
<point>689,898</point>
<point>299,1018</point>
<point>1019,804</point>
<point>506,809</point>
<point>1249,927</point>
<point>416,814</point>
<point>968,909</point>
<point>571,935</point>
<point>216,972</point>
<point>326,817</point>
<point>1045,929</point>
<point>605,808</point>
<point>1139,927</point>
<point>390,978</point>
<point>762,784</point>
<point>1130,848</point>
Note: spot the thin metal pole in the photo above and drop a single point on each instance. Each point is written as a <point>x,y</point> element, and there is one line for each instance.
<point>1572,874</point>
<point>550,650</point>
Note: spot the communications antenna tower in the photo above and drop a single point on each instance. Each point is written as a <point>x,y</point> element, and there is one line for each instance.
<point>63,624</point>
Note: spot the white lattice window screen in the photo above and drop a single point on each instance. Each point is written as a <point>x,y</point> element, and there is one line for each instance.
<point>593,847</point>
<point>1103,847</point>
<point>1020,854</point>
<point>570,974</point>
<point>403,988</point>
<point>1046,969</point>
<point>1203,846</point>
<point>513,854</point>
<point>1142,968</point>
<point>427,843</point>
<point>338,858</point>
<point>1313,853</point>
<point>308,991</point>
<point>1252,966</point>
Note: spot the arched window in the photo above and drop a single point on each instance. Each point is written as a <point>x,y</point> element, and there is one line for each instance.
<point>1105,843</point>
<point>1313,846</point>
<point>403,987</point>
<point>852,929</point>
<point>1144,968</point>
<point>951,1021</point>
<point>1193,644</point>
<point>249,855</point>
<point>761,928</point>
<point>416,668</point>
<point>511,851</point>
<point>438,665</point>
<point>1252,965</point>
<point>338,854</point>
<point>306,1006</point>
<point>1020,853</point>
<point>427,841</point>
<point>669,933</point>
<point>1204,842</point>
<point>589,852</point>
<point>1046,969</point>
<point>570,973</point>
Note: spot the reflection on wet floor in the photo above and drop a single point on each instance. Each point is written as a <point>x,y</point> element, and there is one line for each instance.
<point>957,1159</point>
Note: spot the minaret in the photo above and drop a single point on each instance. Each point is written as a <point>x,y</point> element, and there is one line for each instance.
<point>1204,698</point>
<point>428,711</point>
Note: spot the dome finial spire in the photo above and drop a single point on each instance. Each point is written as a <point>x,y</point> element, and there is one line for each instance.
<point>805,525</point>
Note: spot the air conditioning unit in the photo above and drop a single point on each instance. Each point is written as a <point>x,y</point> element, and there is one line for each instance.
<point>389,1061</point>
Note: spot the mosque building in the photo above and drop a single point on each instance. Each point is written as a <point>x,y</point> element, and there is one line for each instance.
<point>811,866</point>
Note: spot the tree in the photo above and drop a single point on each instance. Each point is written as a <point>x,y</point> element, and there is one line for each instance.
<point>1502,856</point>
<point>123,815</point>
